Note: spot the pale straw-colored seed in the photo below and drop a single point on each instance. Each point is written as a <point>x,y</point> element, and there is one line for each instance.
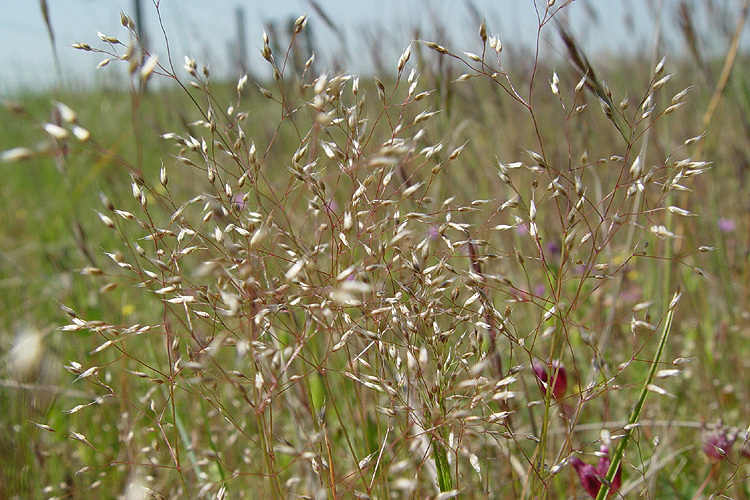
<point>16,154</point>
<point>13,106</point>
<point>421,95</point>
<point>79,437</point>
<point>182,299</point>
<point>682,361</point>
<point>106,220</point>
<point>695,139</point>
<point>26,353</point>
<point>241,83</point>
<point>636,168</point>
<point>108,39</point>
<point>126,21</point>
<point>295,269</point>
<point>534,156</point>
<point>680,211</point>
<point>675,300</point>
<point>660,66</point>
<point>474,461</point>
<point>424,116</point>
<point>473,56</point>
<point>259,236</point>
<point>667,373</point>
<point>431,151</point>
<point>673,107</point>
<point>411,190</point>
<point>124,214</point>
<point>532,211</point>
<point>163,176</point>
<point>497,46</point>
<point>437,48</point>
<point>148,68</point>
<point>555,84</point>
<point>457,151</point>
<point>81,133</point>
<point>581,83</point>
<point>310,61</point>
<point>404,58</point>
<point>548,315</point>
<point>680,96</point>
<point>658,390</point>
<point>661,231</point>
<point>660,83</point>
<point>190,66</point>
<point>648,103</point>
<point>56,131</point>
<point>636,323</point>
<point>67,114</point>
<point>300,23</point>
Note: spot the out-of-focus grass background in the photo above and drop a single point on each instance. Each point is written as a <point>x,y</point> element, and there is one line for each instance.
<point>51,230</point>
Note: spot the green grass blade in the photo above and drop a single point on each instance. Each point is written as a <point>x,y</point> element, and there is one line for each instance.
<point>635,415</point>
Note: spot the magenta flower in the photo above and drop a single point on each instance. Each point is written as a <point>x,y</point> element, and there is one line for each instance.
<point>587,473</point>
<point>560,377</point>
<point>593,477</point>
<point>718,442</point>
<point>726,225</point>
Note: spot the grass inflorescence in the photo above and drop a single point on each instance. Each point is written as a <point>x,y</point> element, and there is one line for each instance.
<point>465,284</point>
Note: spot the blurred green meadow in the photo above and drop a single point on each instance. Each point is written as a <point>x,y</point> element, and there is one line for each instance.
<point>313,287</point>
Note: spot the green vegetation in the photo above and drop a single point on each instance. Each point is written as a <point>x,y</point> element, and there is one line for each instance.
<point>451,281</point>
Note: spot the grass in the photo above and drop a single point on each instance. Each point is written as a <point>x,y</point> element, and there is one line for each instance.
<point>452,281</point>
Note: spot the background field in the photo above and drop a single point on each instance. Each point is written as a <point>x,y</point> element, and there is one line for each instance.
<point>329,286</point>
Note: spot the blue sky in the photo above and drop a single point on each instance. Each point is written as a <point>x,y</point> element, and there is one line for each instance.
<point>205,29</point>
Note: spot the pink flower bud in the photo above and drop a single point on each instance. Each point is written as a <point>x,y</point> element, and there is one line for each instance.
<point>587,473</point>
<point>559,375</point>
<point>593,477</point>
<point>603,466</point>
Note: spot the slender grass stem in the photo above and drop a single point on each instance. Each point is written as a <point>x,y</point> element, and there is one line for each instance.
<point>636,413</point>
<point>445,482</point>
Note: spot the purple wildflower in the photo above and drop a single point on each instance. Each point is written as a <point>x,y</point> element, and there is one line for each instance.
<point>553,248</point>
<point>718,442</point>
<point>592,477</point>
<point>726,225</point>
<point>560,383</point>
<point>587,473</point>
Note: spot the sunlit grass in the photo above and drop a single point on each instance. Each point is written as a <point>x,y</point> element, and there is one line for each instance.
<point>326,286</point>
